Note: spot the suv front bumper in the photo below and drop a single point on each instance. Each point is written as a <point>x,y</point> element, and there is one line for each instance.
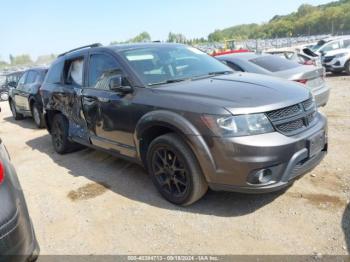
<point>336,65</point>
<point>240,159</point>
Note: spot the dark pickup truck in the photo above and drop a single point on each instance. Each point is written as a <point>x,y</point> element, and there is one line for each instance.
<point>186,117</point>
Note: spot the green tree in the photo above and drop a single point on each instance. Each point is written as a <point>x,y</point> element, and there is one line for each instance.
<point>21,60</point>
<point>142,37</point>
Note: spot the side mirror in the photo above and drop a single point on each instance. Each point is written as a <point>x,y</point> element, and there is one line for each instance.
<point>116,84</point>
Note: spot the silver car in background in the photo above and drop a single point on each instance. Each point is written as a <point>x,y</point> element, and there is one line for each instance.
<point>310,76</point>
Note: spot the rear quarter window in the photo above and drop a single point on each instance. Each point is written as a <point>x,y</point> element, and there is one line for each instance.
<point>274,63</point>
<point>55,72</point>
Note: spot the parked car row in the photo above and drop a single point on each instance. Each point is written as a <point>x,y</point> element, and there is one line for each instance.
<point>311,77</point>
<point>334,53</point>
<point>11,80</point>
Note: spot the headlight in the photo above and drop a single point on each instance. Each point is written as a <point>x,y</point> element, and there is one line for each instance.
<point>240,125</point>
<point>340,55</point>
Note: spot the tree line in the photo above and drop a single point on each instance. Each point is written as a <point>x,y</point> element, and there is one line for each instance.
<point>331,18</point>
<point>25,60</point>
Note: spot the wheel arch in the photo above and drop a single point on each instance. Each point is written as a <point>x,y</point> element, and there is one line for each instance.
<point>157,123</point>
<point>31,101</point>
<point>49,115</point>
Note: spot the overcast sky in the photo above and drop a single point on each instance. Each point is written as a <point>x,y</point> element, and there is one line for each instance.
<point>42,27</point>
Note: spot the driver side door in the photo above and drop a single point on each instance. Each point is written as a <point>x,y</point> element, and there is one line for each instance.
<point>107,112</point>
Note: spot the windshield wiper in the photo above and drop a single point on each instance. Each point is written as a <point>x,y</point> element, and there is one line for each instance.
<point>220,73</point>
<point>210,74</point>
<point>169,81</point>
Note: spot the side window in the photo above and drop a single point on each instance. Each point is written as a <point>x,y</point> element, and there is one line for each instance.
<point>55,73</point>
<point>331,46</point>
<point>347,43</point>
<point>234,67</point>
<point>99,64</point>
<point>31,78</point>
<point>73,72</point>
<point>22,79</point>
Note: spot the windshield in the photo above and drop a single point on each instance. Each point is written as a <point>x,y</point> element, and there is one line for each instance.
<point>274,63</point>
<point>318,45</point>
<point>166,64</point>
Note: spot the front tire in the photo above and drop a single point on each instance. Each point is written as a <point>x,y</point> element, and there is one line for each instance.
<point>175,171</point>
<point>15,114</point>
<point>59,135</point>
<point>38,116</point>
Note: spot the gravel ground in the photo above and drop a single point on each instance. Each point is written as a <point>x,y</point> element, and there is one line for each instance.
<point>91,203</point>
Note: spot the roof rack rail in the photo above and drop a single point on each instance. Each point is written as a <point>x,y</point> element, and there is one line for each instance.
<point>82,47</point>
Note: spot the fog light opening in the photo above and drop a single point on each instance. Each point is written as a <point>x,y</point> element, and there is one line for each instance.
<point>262,176</point>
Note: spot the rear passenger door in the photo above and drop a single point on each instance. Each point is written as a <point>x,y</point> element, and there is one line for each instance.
<point>106,112</point>
<point>25,90</point>
<point>69,95</point>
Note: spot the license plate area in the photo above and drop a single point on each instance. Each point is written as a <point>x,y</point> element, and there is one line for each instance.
<point>316,143</point>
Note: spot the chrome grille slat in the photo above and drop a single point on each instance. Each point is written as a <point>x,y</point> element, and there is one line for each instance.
<point>293,119</point>
<point>284,112</point>
<point>308,104</point>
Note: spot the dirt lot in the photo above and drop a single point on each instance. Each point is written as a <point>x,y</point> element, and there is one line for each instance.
<point>91,203</point>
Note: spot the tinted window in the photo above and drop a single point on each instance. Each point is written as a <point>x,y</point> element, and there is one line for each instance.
<point>331,46</point>
<point>158,65</point>
<point>347,43</point>
<point>274,63</point>
<point>318,45</point>
<point>22,79</point>
<point>99,64</point>
<point>32,77</point>
<point>54,74</point>
<point>234,66</point>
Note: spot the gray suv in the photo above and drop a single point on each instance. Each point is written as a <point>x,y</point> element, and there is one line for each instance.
<point>187,118</point>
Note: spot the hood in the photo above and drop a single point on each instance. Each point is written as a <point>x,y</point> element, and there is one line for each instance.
<point>239,93</point>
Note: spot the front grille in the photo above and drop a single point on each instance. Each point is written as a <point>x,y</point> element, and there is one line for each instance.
<point>311,117</point>
<point>293,119</point>
<point>308,104</point>
<point>291,126</point>
<point>284,112</point>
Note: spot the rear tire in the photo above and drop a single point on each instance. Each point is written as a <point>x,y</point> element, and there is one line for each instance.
<point>59,135</point>
<point>38,116</point>
<point>347,67</point>
<point>15,114</point>
<point>175,171</point>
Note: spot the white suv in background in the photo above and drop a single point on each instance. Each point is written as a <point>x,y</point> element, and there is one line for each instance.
<point>337,61</point>
<point>329,44</point>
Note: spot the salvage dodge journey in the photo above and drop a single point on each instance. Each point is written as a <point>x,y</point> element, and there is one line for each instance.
<point>187,118</point>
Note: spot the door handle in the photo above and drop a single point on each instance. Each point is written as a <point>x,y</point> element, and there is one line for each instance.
<point>104,100</point>
<point>90,99</point>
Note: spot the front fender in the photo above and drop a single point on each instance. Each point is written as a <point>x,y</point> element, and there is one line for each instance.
<point>185,129</point>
